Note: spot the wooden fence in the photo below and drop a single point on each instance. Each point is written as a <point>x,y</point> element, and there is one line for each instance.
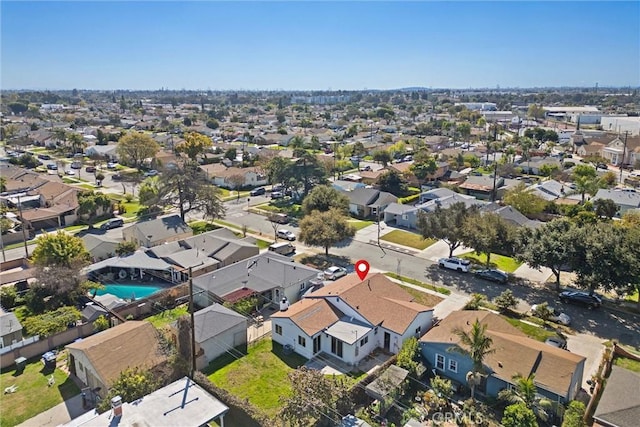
<point>41,346</point>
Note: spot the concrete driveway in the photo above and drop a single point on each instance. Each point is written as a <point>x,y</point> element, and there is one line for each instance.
<point>59,414</point>
<point>590,347</point>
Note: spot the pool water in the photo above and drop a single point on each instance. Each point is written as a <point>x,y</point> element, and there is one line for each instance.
<point>129,290</point>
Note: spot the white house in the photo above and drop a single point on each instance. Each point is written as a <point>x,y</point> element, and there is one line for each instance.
<point>350,318</point>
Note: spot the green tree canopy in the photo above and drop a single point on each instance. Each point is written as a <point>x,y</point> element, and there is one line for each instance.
<point>518,415</point>
<point>131,385</point>
<point>188,188</point>
<point>524,201</point>
<point>135,147</point>
<point>393,182</point>
<point>445,224</point>
<point>489,233</point>
<point>574,415</point>
<point>322,198</point>
<point>325,229</point>
<point>59,248</point>
<point>546,246</point>
<point>194,145</point>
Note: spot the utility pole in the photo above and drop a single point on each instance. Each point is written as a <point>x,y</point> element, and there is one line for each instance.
<point>193,325</point>
<point>624,154</point>
<point>24,233</point>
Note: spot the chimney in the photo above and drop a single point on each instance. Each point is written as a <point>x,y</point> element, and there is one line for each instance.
<point>284,304</point>
<point>116,406</point>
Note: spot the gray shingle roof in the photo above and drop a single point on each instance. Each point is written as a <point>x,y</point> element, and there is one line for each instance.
<point>214,320</point>
<point>619,197</point>
<point>161,228</point>
<point>268,270</point>
<point>9,323</point>
<point>619,405</point>
<point>362,196</point>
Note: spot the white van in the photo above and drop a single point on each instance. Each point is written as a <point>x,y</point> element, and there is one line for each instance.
<point>282,248</point>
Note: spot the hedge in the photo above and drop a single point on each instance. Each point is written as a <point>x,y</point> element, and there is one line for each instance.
<point>409,199</point>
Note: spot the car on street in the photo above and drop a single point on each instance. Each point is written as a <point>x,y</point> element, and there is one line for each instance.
<point>44,157</point>
<point>152,172</point>
<point>90,169</point>
<point>70,172</point>
<point>493,275</point>
<point>111,165</point>
<point>52,167</point>
<point>277,195</point>
<point>457,264</point>
<point>557,341</point>
<point>555,315</point>
<point>258,191</point>
<point>334,273</point>
<point>581,298</point>
<point>286,234</point>
<point>112,223</point>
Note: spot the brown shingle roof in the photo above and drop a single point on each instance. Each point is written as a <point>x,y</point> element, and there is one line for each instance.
<point>515,353</point>
<point>377,299</point>
<point>311,315</point>
<point>128,345</point>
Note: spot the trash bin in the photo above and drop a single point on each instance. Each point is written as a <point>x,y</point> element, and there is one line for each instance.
<point>21,363</point>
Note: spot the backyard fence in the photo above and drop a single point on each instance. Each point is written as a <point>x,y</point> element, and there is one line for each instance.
<point>40,346</point>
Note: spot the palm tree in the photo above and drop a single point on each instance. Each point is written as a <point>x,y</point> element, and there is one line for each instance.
<point>525,392</point>
<point>476,345</point>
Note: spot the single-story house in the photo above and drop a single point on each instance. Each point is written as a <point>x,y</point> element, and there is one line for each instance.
<point>624,199</point>
<point>558,373</point>
<point>268,276</point>
<point>224,177</point>
<point>510,215</point>
<point>10,329</point>
<point>98,360</point>
<point>619,405</point>
<point>591,149</point>
<point>344,185</point>
<point>482,186</point>
<point>181,403</point>
<point>350,318</point>
<point>218,330</point>
<point>534,165</point>
<point>157,231</point>
<point>613,151</point>
<point>134,266</point>
<point>552,190</point>
<point>99,247</point>
<point>102,151</point>
<point>368,202</point>
<point>407,216</point>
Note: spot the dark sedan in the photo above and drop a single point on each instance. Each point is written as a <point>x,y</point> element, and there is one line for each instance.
<point>582,298</point>
<point>493,275</point>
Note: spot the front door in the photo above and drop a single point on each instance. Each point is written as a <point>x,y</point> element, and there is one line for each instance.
<point>317,344</point>
<point>387,341</point>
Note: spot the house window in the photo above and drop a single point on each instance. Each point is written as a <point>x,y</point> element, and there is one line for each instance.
<point>278,329</point>
<point>453,365</point>
<point>418,329</point>
<point>363,341</point>
<point>440,362</point>
<point>302,341</point>
<point>302,286</point>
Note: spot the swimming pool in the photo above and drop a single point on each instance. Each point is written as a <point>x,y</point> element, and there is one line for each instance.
<point>129,290</point>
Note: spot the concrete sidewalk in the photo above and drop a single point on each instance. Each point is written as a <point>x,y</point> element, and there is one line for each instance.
<point>531,274</point>
<point>59,414</point>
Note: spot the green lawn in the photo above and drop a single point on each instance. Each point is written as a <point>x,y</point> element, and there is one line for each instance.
<point>438,289</point>
<point>630,364</point>
<point>534,332</point>
<point>501,262</point>
<point>33,395</point>
<point>260,376</point>
<point>263,244</point>
<point>423,298</point>
<point>406,238</point>
<point>131,208</point>
<point>359,224</point>
<point>634,297</point>
<point>163,319</point>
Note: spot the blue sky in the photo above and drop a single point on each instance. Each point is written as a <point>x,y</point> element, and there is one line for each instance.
<point>318,45</point>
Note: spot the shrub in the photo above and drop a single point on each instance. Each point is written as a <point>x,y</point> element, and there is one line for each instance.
<point>409,199</point>
<point>8,296</point>
<point>52,322</point>
<point>475,302</point>
<point>506,301</point>
<point>574,415</point>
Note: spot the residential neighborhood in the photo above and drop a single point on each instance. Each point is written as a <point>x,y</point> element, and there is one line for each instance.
<point>448,243</point>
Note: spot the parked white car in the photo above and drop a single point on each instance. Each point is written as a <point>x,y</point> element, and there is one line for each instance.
<point>556,316</point>
<point>286,234</point>
<point>457,264</point>
<point>334,273</point>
